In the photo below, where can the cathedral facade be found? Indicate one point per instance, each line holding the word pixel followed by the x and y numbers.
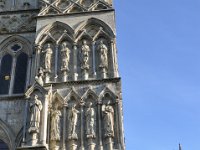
pixel 59 83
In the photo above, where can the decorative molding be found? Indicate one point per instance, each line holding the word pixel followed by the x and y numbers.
pixel 72 6
pixel 17 23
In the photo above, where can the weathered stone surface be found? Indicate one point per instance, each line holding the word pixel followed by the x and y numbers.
pixel 73 90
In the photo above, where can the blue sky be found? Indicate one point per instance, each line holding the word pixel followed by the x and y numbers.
pixel 159 59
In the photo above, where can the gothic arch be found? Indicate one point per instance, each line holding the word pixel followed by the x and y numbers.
pixel 19 138
pixel 98 24
pixel 91 93
pixel 57 97
pixel 72 95
pixel 107 92
pixel 7 135
pixel 46 31
pixel 36 87
pixel 19 50
pixel 26 45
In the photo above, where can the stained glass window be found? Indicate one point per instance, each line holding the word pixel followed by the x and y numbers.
pixel 3 146
pixel 20 74
pixel 5 74
pixel 16 47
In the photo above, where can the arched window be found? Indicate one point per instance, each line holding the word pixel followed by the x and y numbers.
pixel 20 73
pixel 3 145
pixel 14 66
pixel 5 73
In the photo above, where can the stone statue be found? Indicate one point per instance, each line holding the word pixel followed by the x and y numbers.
pixel 85 49
pixel 35 109
pixel 103 52
pixel 90 121
pixel 108 119
pixel 65 51
pixel 39 77
pixel 55 125
pixel 72 118
pixel 48 57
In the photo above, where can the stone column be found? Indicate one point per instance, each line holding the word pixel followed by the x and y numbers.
pixel 38 49
pixel 113 70
pixel 94 59
pixel 120 126
pixel 56 64
pixel 24 125
pixel 64 127
pixel 44 120
pixel 29 72
pixel 100 127
pixel 75 53
pixel 82 127
pixel 117 124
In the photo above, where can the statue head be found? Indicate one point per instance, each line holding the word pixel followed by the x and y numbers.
pixel 73 105
pixel 64 44
pixel 84 42
pixel 48 45
pixel 108 102
pixel 89 104
pixel 36 97
pixel 101 41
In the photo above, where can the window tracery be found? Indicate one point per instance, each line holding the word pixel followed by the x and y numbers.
pixel 14 66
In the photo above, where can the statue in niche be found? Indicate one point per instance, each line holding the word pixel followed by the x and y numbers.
pixel 55 124
pixel 103 52
pixel 65 52
pixel 90 121
pixel 85 49
pixel 108 119
pixel 72 118
pixel 35 109
pixel 48 57
pixel 39 77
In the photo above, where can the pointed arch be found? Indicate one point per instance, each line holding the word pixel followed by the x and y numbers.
pixel 72 95
pixel 107 92
pixel 8 42
pixel 43 32
pixel 57 96
pixel 88 93
pixel 19 138
pixel 7 136
pixel 98 23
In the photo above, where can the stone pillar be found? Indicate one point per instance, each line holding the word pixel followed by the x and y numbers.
pixel 82 127
pixel 100 127
pixel 38 49
pixel 120 126
pixel 75 53
pixel 117 123
pixel 94 59
pixel 24 125
pixel 44 120
pixel 29 71
pixel 64 127
pixel 56 64
pixel 114 70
